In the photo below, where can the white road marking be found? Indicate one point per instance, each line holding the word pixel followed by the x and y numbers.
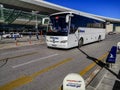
pixel 19 65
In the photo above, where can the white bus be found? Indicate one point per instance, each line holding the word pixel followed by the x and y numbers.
pixel 69 29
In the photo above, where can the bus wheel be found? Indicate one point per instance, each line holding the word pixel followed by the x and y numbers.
pixel 99 38
pixel 80 43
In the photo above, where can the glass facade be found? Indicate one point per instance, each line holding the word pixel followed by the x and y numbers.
pixel 8 16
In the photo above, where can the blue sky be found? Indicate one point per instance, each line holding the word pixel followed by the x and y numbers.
pixel 108 8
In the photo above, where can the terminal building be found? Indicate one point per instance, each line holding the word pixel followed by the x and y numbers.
pixel 27 15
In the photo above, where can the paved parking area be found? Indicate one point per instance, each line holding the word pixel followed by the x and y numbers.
pixel 11 42
pixel 107 79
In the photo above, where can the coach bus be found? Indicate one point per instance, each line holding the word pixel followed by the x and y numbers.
pixel 70 29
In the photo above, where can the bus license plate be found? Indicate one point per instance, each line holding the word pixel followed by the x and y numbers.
pixel 54 45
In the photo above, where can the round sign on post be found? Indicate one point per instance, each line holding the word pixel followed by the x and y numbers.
pixel 73 81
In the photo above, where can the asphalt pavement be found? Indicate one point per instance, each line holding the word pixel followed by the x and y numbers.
pixel 106 79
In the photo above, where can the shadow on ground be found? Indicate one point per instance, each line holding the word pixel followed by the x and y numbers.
pixel 100 63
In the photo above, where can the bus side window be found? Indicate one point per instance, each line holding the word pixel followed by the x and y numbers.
pixel 72 28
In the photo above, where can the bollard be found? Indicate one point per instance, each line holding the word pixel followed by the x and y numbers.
pixel 30 42
pixel 41 35
pixel 16 42
pixel 73 81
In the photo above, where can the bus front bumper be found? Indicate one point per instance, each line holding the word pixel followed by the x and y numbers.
pixel 54 45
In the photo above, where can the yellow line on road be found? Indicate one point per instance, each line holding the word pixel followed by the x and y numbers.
pixel 27 79
pixel 16 83
pixel 85 70
pixel 51 67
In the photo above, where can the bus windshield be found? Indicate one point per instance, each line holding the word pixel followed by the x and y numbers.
pixel 58 25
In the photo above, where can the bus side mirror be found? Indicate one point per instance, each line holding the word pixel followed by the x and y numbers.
pixel 67 18
pixel 45 21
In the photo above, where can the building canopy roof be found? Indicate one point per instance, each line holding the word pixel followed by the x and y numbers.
pixel 46 7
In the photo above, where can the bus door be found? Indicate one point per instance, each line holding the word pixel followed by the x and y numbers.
pixel 73 35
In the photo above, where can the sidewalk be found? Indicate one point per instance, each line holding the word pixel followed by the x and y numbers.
pixel 107 79
pixel 11 43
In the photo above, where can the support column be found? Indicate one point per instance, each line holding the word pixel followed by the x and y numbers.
pixel 2 13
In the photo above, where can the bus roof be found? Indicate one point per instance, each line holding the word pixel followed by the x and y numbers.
pixel 79 13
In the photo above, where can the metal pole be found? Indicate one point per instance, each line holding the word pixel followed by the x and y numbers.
pixel 2 14
pixel 36 26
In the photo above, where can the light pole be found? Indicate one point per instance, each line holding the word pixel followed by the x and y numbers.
pixel 36 24
pixel 2 14
pixel 2 17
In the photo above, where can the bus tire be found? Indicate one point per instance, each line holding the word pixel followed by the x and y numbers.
pixel 80 42
pixel 48 47
pixel 99 38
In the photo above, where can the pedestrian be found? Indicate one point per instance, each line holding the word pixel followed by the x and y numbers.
pixel 30 35
pixel 15 37
pixel 37 35
pixel 1 35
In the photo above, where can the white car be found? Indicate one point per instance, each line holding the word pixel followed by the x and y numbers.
pixel 6 35
pixel 12 35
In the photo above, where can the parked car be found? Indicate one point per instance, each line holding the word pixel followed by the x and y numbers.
pixel 6 35
pixel 12 35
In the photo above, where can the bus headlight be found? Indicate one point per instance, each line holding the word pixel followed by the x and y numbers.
pixel 64 41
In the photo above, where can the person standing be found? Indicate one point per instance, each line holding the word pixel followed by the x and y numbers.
pixel 30 35
pixel 37 35
pixel 1 35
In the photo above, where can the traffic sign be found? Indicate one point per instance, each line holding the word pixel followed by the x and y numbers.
pixel 112 55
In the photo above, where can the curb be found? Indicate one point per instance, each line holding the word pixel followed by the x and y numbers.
pixel 20 44
pixel 102 81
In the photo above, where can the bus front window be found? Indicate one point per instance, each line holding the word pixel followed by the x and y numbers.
pixel 58 25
